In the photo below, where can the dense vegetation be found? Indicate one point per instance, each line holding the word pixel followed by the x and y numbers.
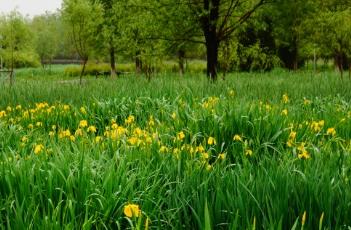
pixel 266 151
pixel 187 114
pixel 230 35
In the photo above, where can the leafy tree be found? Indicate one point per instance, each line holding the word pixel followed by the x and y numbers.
pixel 218 20
pixel 175 30
pixel 46 36
pixel 82 18
pixel 16 42
pixel 331 31
pixel 254 45
pixel 109 31
pixel 288 19
pixel 138 22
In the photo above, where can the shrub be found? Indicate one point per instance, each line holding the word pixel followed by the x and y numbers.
pixel 97 69
pixel 21 59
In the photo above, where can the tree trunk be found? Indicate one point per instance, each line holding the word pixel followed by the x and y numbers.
pixel 113 61
pixel 314 61
pixel 82 72
pixel 341 72
pixel 226 61
pixel 295 53
pixel 50 66
pixel 12 66
pixel 11 77
pixel 212 56
pixel 350 70
pixel 209 27
pixel 339 62
pixel 138 62
pixel 181 57
pixel 289 55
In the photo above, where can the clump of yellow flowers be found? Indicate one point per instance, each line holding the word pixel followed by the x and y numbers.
pixel 38 149
pixel 132 210
pixel 331 132
pixel 317 126
pixel 237 137
pixel 285 99
pixel 303 154
pixel 211 141
pixel 292 138
pixel 83 124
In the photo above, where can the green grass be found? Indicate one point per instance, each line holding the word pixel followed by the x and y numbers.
pixel 84 179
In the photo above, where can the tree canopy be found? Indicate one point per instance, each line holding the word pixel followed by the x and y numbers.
pixel 230 35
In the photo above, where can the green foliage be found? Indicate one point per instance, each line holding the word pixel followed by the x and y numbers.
pixel 24 59
pixel 85 183
pixel 288 20
pixel 330 31
pixel 277 33
pixel 15 42
pixel 91 69
pixel 82 18
pixel 192 67
pixel 46 31
pixel 255 58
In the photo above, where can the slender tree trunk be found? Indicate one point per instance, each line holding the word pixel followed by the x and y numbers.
pixel 341 72
pixel 226 61
pixel 82 72
pixel 336 63
pixel 314 61
pixel 11 77
pixel 181 57
pixel 350 70
pixel 339 63
pixel 50 65
pixel 341 68
pixel 113 61
pixel 12 66
pixel 295 55
pixel 138 62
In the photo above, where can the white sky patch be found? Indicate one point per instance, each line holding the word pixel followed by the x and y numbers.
pixel 29 7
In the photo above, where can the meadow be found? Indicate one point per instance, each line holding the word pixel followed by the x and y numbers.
pixel 253 151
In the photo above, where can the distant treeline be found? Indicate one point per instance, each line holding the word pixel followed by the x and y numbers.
pixel 232 35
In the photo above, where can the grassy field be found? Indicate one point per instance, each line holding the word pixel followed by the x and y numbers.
pixel 256 151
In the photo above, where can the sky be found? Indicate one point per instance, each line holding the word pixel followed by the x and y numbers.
pixel 29 7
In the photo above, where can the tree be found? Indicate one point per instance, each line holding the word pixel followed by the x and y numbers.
pixel 218 19
pixel 288 20
pixel 46 36
pixel 255 44
pixel 329 32
pixel 138 23
pixel 109 30
pixel 82 18
pixel 15 42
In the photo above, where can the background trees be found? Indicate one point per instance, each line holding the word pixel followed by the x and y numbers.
pixel 109 30
pixel 230 35
pixel 332 32
pixel 217 20
pixel 45 29
pixel 82 18
pixel 15 42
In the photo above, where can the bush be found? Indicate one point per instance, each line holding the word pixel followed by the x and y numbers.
pixel 97 69
pixel 193 66
pixel 21 59
pixel 255 58
pixel 196 66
